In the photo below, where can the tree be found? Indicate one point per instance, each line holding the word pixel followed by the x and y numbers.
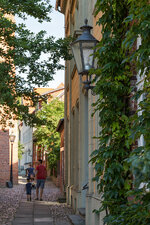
pixel 20 150
pixel 46 135
pixel 21 67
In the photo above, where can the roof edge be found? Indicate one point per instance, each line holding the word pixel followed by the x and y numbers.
pixel 60 6
pixel 61 121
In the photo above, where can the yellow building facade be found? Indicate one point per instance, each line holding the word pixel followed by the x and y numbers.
pixel 79 126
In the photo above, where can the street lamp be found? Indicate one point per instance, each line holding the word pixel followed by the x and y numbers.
pixel 83 49
pixel 12 139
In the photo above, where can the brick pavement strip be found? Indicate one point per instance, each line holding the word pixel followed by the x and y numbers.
pixel 15 210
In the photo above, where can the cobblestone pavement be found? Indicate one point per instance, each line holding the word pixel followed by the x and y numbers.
pixel 14 200
pixel 9 201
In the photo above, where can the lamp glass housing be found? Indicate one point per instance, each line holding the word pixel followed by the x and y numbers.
pixel 83 49
pixel 88 57
pixel 77 56
pixel 12 137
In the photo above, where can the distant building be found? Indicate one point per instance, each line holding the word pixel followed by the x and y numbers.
pixel 33 152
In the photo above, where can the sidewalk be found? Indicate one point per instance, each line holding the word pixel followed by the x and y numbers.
pixel 37 213
pixel 46 212
pixel 15 210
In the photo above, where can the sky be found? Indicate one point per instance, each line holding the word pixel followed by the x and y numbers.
pixel 54 28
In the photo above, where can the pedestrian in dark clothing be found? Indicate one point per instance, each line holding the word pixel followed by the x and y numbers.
pixel 30 172
pixel 28 189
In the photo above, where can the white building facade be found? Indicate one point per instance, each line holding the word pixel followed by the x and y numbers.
pixel 26 140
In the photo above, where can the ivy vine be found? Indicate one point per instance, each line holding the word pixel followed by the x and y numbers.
pixel 122 167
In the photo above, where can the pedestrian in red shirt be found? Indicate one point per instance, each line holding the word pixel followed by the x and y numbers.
pixel 41 177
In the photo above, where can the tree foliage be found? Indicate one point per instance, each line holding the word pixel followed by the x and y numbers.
pixel 21 65
pixel 119 169
pixel 47 136
pixel 20 150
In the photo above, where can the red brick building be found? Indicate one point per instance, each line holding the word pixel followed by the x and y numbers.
pixel 5 158
pixel 5 146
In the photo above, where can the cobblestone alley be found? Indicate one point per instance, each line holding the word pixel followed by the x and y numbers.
pixel 15 210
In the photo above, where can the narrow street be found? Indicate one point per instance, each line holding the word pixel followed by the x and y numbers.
pixel 15 210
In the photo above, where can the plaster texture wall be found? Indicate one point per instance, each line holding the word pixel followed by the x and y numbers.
pixel 79 126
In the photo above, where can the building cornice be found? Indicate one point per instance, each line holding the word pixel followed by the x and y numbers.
pixel 57 4
pixel 60 123
pixel 52 91
pixel 60 6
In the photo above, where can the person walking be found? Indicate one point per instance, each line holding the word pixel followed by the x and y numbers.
pixel 30 172
pixel 41 174
pixel 28 189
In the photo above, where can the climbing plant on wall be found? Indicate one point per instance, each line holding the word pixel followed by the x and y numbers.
pixel 122 168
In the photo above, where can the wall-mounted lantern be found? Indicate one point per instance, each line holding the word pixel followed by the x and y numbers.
pixel 83 49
